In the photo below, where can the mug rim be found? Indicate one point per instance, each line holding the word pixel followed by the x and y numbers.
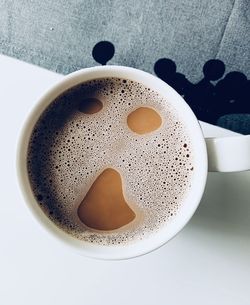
pixel 194 195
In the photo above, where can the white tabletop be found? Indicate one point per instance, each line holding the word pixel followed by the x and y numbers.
pixel 207 263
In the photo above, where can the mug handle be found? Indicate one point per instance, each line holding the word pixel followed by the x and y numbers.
pixel 230 154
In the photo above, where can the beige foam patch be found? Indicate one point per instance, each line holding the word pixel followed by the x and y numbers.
pixel 104 206
pixel 144 120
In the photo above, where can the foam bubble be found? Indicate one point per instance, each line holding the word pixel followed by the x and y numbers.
pixel 69 149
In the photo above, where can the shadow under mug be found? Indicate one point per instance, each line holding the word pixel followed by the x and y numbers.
pixel 213 154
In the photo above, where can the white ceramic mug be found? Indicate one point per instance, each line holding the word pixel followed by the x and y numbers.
pixel 215 154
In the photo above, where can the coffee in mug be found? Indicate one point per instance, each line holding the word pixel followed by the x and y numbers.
pixel 110 161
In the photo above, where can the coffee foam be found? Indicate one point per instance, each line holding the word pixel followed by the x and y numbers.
pixel 68 149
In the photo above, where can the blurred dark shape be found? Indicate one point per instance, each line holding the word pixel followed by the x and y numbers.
pixel 200 96
pixel 243 98
pixel 209 101
pixel 165 69
pixel 232 94
pixel 103 51
pixel 213 69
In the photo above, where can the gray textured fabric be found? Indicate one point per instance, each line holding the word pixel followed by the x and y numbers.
pixel 59 35
pixel 236 122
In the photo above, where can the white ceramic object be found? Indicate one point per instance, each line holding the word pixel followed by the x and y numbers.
pixel 229 154
pixel 206 263
pixel 194 195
